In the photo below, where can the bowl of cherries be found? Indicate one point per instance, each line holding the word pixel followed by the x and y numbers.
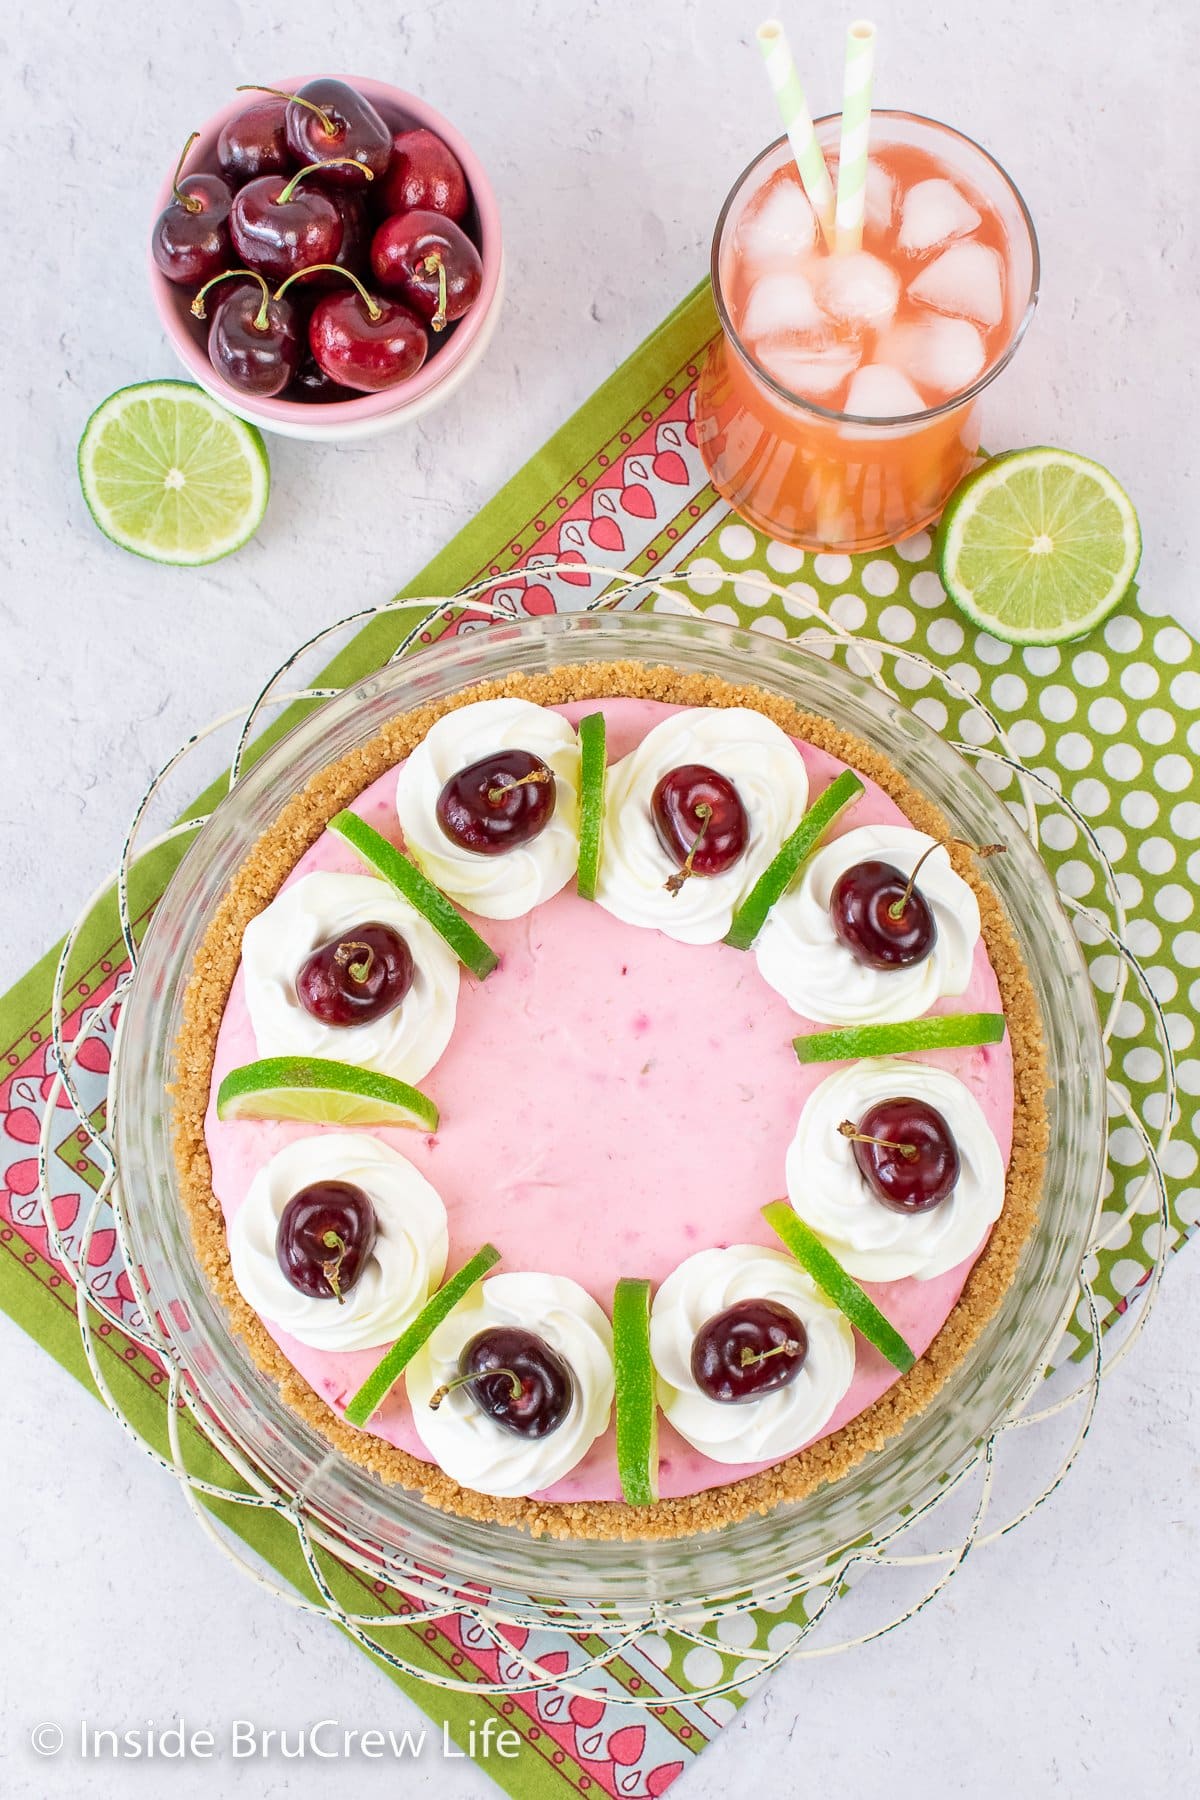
pixel 326 257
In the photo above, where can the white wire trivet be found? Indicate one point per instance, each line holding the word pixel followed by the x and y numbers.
pixel 485 1618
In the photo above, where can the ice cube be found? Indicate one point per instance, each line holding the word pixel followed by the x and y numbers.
pixel 967 281
pixel 780 305
pixel 858 289
pixel 779 227
pixel 932 213
pixel 877 391
pixel 942 355
pixel 812 373
pixel 880 199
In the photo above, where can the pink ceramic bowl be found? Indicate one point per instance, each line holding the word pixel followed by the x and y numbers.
pixel 342 420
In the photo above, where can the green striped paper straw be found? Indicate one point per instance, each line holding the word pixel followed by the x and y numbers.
pixel 797 122
pixel 856 135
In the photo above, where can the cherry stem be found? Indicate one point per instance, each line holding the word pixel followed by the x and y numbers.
pixel 750 1358
pixel 327 119
pixel 331 162
pixel 260 321
pixel 496 794
pixel 447 1387
pixel 896 909
pixel 704 814
pixel 374 311
pixel 331 1270
pixel 433 264
pixel 849 1130
pixel 188 201
pixel 359 969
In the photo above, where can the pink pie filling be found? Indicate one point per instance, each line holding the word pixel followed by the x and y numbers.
pixel 611 1102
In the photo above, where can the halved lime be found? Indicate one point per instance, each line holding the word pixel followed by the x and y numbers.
pixel 419 891
pixel 832 1279
pixel 951 1031
pixel 636 1393
pixel 593 740
pixel 438 1307
pixel 322 1092
pixel 170 475
pixel 1039 546
pixel 780 872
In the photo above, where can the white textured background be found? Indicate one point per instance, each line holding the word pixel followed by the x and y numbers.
pixel 1063 1661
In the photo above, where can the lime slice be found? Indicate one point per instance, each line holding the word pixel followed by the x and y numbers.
pixel 780 872
pixel 952 1031
pixel 321 1092
pixel 593 739
pixel 169 474
pixel 418 890
pixel 1039 545
pixel 833 1280
pixel 636 1393
pixel 438 1307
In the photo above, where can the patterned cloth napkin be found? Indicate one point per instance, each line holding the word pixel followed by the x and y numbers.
pixel 1112 723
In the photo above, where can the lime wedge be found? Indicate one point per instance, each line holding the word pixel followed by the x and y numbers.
pixel 418 890
pixel 636 1393
pixel 593 739
pixel 1039 545
pixel 321 1092
pixel 833 1280
pixel 438 1307
pixel 780 872
pixel 169 474
pixel 952 1031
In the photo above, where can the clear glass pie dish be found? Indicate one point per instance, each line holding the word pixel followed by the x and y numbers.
pixel 391 1528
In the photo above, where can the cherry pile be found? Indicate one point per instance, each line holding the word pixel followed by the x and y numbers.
pixel 330 255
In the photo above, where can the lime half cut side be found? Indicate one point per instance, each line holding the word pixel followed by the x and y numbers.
pixel 172 476
pixel 1039 545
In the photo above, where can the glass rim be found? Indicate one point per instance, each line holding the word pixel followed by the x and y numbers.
pixel 965 395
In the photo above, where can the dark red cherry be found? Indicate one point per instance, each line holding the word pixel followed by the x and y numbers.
pixel 190 242
pixel 430 262
pixel 498 802
pixel 356 977
pixel 255 143
pixel 325 1235
pixel 280 226
pixel 327 119
pixel 254 342
pixel 881 921
pixel 311 385
pixel 905 1153
pixel 517 1380
pixel 424 175
pixel 366 342
pixel 748 1350
pixel 700 821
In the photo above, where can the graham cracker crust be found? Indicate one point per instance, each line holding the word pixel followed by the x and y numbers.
pixel 301 822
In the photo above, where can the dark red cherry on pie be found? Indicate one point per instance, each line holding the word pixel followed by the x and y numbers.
pixel 356 977
pixel 325 1235
pixel 751 1349
pixel 700 820
pixel 518 1380
pixel 882 920
pixel 498 802
pixel 911 1160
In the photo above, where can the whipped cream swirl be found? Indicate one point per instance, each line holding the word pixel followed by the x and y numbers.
pixel 869 1239
pixel 511 883
pixel 800 955
pixel 469 1445
pixel 406 1264
pixel 772 783
pixel 777 1423
pixel 405 1042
